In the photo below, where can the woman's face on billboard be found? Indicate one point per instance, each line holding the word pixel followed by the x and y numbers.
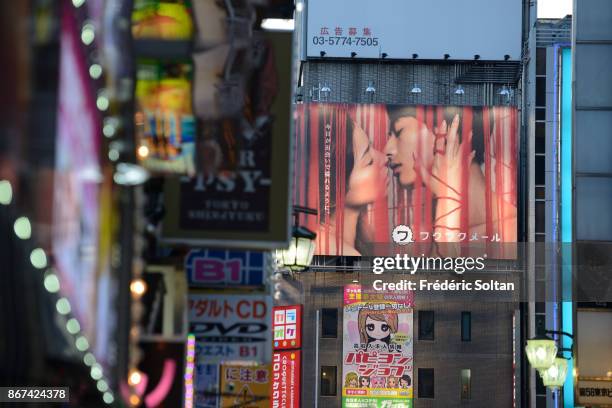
pixel 369 176
pixel 408 139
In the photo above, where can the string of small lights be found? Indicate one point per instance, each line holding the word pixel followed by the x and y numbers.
pixel 39 260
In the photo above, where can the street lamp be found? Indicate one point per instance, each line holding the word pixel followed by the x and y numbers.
pixel 554 376
pixel 542 355
pixel 541 352
pixel 298 255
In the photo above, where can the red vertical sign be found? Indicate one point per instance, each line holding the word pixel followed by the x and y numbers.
pixel 287 327
pixel 286 379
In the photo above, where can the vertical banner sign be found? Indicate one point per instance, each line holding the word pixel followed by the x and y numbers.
pixel 286 370
pixel 206 385
pixel 209 268
pixel 245 386
pixel 231 327
pixel 377 352
pixel 287 327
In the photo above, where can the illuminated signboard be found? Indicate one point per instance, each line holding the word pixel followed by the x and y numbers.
pixel 286 376
pixel 287 327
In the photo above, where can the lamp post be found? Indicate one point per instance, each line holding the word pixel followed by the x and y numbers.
pixel 542 355
pixel 541 352
pixel 554 376
pixel 298 256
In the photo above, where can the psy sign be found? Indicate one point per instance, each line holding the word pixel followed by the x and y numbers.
pixel 231 327
pixel 287 327
pixel 208 267
pixel 286 379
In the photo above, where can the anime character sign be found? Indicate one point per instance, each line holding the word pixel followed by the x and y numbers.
pixel 377 354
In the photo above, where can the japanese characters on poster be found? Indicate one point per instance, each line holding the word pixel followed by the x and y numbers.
pixel 377 352
pixel 234 327
pixel 245 386
pixel 287 326
pixel 446 176
pixel 286 379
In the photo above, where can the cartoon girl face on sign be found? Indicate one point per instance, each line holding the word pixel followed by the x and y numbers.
pixel 364 382
pixel 376 327
pixel 392 382
pixel 351 380
pixel 378 382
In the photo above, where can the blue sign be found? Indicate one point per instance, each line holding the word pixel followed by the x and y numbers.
pixel 218 267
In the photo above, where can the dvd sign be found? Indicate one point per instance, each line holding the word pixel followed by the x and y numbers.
pixel 210 268
pixel 231 327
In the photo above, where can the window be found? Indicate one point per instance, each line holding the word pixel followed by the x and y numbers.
pixel 540 92
pixel 426 325
pixel 328 381
pixel 426 382
pixel 466 386
pixel 329 323
pixel 466 326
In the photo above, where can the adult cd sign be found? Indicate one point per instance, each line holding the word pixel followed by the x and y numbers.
pixel 401 28
pixel 231 327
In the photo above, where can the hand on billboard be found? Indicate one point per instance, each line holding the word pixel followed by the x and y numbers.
pixel 451 160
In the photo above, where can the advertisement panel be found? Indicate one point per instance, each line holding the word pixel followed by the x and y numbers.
pixel 286 379
pixel 594 392
pixel 239 195
pixel 398 28
pixel 231 327
pixel 210 268
pixel 445 174
pixel 377 353
pixel 77 192
pixel 245 386
pixel 287 327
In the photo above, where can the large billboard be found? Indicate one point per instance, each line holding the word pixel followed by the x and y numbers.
pixel 377 353
pixel 400 29
pixel 447 174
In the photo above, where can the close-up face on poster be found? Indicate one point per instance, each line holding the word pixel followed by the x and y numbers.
pixel 377 352
pixel 446 174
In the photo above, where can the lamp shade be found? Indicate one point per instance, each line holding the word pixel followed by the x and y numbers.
pixel 541 352
pixel 298 255
pixel 554 376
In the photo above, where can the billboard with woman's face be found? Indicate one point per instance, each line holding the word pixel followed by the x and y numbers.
pixel 377 352
pixel 448 173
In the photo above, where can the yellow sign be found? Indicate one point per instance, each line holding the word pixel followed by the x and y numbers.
pixel 245 386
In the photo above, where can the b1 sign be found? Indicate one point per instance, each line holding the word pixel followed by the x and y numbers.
pixel 231 327
pixel 401 28
pixel 209 268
